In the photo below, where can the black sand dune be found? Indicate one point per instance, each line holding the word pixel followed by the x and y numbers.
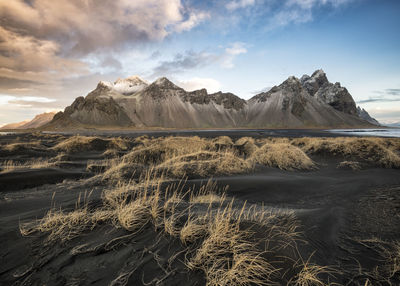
pixel 348 219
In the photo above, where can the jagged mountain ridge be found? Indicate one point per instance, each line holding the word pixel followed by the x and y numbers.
pixel 311 101
pixel 362 113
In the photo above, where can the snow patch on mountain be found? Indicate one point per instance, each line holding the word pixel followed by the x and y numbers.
pixel 125 86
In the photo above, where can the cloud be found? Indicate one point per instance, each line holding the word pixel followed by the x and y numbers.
pixel 265 89
pixel 385 115
pixel 233 5
pixel 192 60
pixel 111 62
pixel 6 98
pixel 182 62
pixel 231 52
pixel 87 26
pixel 309 4
pixel 378 99
pixel 50 38
pixel 193 20
pixel 196 83
pixel 387 95
pixel 14 83
pixel 15 109
pixel 299 11
pixel 393 91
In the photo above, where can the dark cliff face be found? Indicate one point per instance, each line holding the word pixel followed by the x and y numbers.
pixel 362 113
pixel 291 87
pixel 228 100
pixel 161 89
pixel 92 111
pixel 314 82
pixel 333 94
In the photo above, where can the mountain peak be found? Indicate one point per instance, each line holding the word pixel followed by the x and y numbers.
pixel 134 79
pixel 315 81
pixel 319 72
pixel 129 85
pixel 320 77
pixel 292 84
pixel 104 84
pixel 164 82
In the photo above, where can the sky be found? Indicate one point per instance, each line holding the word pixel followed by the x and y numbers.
pixel 54 51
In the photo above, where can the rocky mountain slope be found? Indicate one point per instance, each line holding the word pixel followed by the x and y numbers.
pixel 362 113
pixel 36 122
pixel 311 101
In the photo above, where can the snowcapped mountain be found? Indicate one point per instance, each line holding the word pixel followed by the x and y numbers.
pixel 311 101
pixel 129 85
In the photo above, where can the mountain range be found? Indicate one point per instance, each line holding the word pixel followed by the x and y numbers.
pixel 306 102
pixel 38 121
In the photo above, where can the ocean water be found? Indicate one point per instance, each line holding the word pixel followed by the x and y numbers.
pixel 390 132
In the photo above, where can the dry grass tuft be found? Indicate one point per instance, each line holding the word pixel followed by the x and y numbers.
pixel 311 275
pixel 134 215
pixel 371 150
pixel 222 142
pixel 283 156
pixel 388 253
pixel 246 146
pixel 195 228
pixel 65 226
pixel 205 163
pixel 85 143
pixel 23 148
pixel 226 255
pixel 11 165
pixel 355 166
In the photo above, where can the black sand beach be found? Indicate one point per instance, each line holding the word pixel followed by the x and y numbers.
pixel 340 211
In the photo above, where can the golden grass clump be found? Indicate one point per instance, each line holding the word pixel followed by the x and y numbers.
pixel 205 163
pixel 134 215
pixel 161 149
pixel 283 156
pixel 246 146
pixel 65 226
pixel 222 142
pixel 371 150
pixel 195 228
pixel 226 256
pixel 352 165
pixel 19 148
pixel 310 275
pixel 11 165
pixel 86 143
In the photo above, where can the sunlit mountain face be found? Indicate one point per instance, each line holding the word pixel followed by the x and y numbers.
pixel 52 52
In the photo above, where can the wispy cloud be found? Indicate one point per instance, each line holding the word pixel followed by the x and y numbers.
pixel 191 60
pixel 387 95
pixel 196 83
pixel 23 100
pixel 299 11
pixel 237 4
pixel 231 53
pixel 182 62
